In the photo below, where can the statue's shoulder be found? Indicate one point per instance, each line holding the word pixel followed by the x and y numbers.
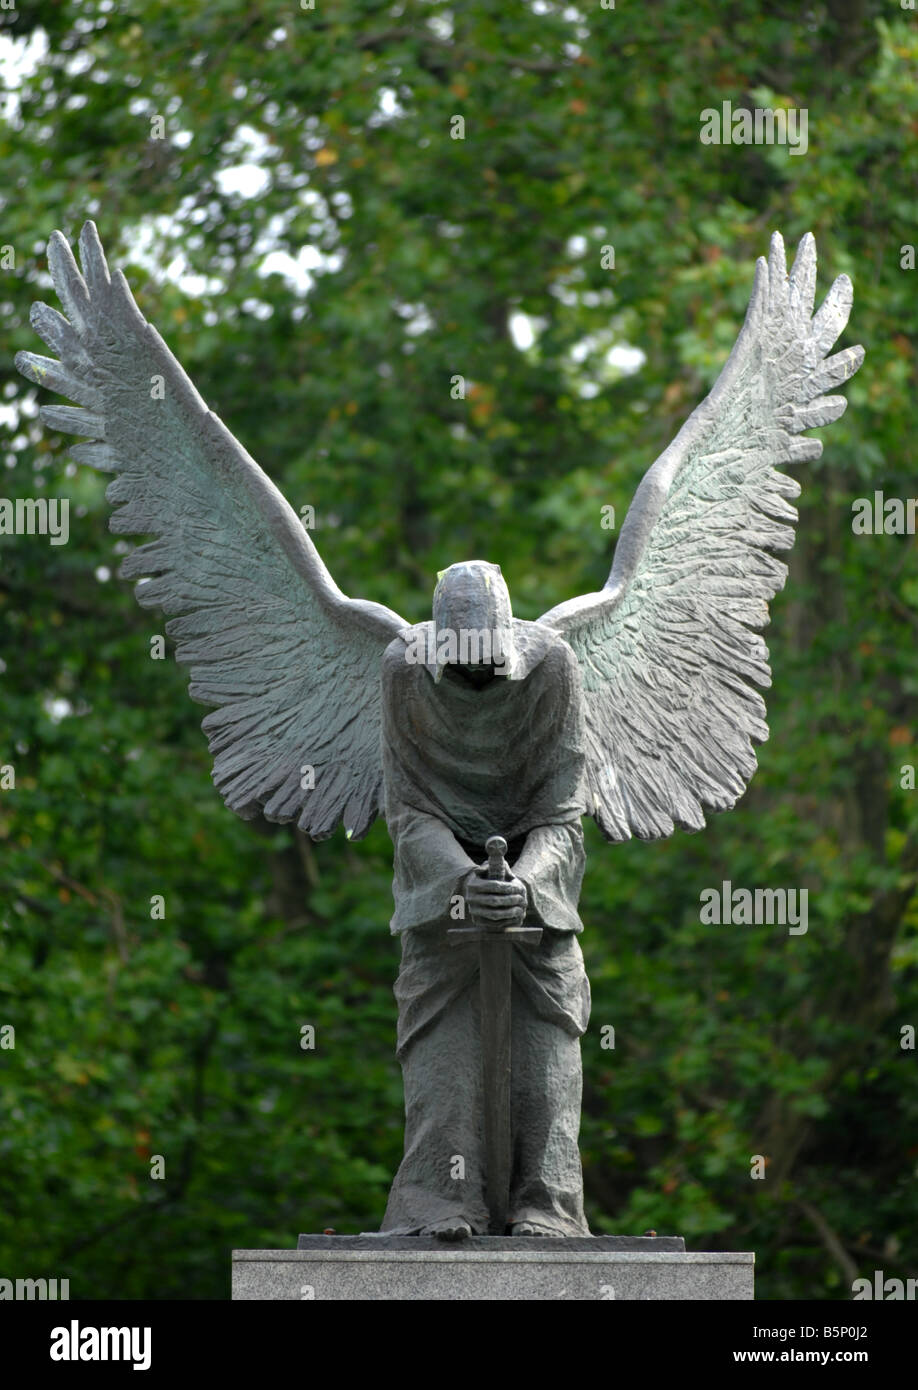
pixel 406 653
pixel 539 647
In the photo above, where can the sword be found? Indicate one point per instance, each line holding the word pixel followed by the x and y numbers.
pixel 495 950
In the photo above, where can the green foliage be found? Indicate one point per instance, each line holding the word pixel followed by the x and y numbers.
pixel 137 1036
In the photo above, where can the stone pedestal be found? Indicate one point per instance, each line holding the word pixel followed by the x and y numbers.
pixel 492 1268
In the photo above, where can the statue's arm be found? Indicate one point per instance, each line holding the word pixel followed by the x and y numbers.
pixel 430 870
pixel 552 860
pixel 551 867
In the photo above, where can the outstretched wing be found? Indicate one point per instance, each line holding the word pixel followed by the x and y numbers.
pixel 291 663
pixel 669 647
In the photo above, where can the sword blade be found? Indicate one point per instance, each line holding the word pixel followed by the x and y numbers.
pixel 495 965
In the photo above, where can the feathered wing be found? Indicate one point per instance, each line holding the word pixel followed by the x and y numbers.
pixel 669 648
pixel 291 663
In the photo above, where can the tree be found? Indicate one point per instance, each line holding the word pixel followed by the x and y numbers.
pixel 574 191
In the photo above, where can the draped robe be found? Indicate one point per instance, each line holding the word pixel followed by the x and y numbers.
pixel 462 763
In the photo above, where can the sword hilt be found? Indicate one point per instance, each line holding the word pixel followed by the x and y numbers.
pixel 495 848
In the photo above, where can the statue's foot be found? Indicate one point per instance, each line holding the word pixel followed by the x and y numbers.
pixel 450 1228
pixel 532 1228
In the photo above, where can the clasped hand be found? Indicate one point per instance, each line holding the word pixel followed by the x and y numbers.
pixel 495 904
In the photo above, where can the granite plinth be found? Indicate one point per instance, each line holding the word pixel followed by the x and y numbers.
pixel 361 1268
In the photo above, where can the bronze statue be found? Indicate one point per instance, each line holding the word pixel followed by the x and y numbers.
pixel 482 739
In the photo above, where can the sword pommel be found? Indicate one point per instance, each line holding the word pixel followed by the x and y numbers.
pixel 496 848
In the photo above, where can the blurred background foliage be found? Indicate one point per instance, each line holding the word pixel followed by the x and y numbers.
pixel 427 257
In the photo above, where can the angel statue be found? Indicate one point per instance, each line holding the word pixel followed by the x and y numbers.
pixel 482 739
